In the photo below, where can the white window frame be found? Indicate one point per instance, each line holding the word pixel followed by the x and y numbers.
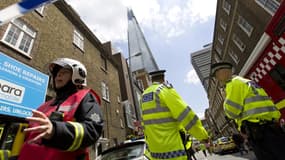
pixel 78 39
pixel 227 7
pixel 122 124
pixel 40 10
pixel 140 83
pixel 24 31
pixel 234 56
pixel 239 43
pixel 223 24
pixel 245 26
pixel 105 91
pixel 104 63
pixel 266 5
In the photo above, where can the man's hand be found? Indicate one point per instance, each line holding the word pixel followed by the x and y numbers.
pixel 43 126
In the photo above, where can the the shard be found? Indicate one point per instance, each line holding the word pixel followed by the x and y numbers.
pixel 140 56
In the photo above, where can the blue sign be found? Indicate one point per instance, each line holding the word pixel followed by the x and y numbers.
pixel 22 88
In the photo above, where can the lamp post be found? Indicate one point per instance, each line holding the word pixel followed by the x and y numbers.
pixel 132 84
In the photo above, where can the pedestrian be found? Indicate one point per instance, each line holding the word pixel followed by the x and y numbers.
pixel 63 127
pixel 239 141
pixel 253 111
pixel 208 147
pixel 211 146
pixel 164 113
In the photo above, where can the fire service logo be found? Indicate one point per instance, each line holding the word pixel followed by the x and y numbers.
pixel 11 92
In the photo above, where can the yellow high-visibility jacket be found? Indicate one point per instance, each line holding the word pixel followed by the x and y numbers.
pixel 164 113
pixel 245 100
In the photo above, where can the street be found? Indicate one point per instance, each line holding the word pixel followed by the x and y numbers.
pixel 233 156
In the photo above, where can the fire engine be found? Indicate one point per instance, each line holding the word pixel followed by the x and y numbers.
pixel 266 65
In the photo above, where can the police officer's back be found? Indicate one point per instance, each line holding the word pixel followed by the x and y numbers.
pixel 164 113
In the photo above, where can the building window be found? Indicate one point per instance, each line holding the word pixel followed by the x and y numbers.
pixel 105 91
pixel 122 123
pixel 219 97
pixel 219 50
pixel 221 38
pixel 78 40
pixel 245 26
pixel 223 24
pixel 226 7
pixel 140 84
pixel 278 75
pixel 239 43
pixel 104 65
pixel 269 5
pixel 20 37
pixel 40 10
pixel 217 58
pixel 129 115
pixel 234 56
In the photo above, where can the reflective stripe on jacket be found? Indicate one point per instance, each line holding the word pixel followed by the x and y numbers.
pixel 164 113
pixel 245 100
pixel 68 107
pixel 4 154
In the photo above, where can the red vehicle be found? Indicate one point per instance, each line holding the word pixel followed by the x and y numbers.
pixel 266 65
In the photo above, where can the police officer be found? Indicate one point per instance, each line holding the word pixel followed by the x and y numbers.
pixel 62 128
pixel 254 112
pixel 164 113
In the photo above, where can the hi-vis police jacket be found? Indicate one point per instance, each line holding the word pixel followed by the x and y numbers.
pixel 164 113
pixel 245 100
pixel 80 127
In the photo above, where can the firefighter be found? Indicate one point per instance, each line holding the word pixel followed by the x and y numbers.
pixel 63 128
pixel 253 111
pixel 164 113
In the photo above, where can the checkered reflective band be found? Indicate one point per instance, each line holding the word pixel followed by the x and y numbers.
pixel 273 56
pixel 167 155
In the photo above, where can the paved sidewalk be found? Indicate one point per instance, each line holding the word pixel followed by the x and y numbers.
pixel 234 156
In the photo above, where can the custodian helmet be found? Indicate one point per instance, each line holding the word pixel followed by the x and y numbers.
pixel 79 72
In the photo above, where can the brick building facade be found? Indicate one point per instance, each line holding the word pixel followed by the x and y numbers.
pixel 54 31
pixel 239 26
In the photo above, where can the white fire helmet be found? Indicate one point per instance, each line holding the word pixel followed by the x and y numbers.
pixel 79 72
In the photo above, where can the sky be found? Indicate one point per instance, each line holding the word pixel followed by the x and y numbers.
pixel 173 30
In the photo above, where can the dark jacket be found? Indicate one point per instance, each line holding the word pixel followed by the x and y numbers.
pixel 88 114
pixel 238 139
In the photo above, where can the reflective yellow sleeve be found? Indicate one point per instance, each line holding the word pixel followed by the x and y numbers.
pixel 183 113
pixel 198 131
pixel 4 154
pixel 78 136
pixel 236 91
pixel 174 101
